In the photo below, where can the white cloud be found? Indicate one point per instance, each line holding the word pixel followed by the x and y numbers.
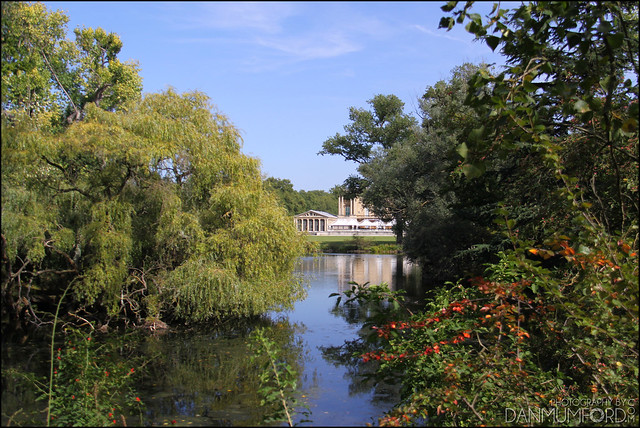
pixel 284 33
pixel 312 46
pixel 440 33
pixel 260 16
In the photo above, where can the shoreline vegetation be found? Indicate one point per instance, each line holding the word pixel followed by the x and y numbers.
pixel 355 244
pixel 516 190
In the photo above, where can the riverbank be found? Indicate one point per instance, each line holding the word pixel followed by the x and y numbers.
pixel 356 244
pixel 202 376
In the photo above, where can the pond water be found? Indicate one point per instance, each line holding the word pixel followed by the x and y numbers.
pixel 336 398
pixel 204 377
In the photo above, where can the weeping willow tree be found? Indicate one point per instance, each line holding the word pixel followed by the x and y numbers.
pixel 150 212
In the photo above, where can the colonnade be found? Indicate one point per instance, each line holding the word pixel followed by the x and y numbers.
pixel 311 225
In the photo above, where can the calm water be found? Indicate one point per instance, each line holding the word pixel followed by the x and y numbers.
pixel 204 378
pixel 336 396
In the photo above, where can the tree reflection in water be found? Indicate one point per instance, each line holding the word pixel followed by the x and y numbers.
pixel 206 378
pixel 362 376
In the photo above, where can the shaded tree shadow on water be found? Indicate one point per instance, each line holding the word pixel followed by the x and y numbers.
pixel 197 376
pixel 362 377
pixel 206 378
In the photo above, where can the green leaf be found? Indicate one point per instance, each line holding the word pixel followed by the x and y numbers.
pixel 530 87
pixel 492 41
pixel 605 27
pixel 604 83
pixel 581 106
pixel 630 125
pixel 447 23
pixel 475 17
pixel 463 150
pixel 573 39
pixel 449 6
pixel 476 134
pixel 473 170
pixel 615 40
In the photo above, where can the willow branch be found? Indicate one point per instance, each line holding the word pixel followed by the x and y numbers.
pixel 55 76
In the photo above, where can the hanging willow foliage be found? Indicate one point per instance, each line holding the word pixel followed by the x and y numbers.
pixel 152 210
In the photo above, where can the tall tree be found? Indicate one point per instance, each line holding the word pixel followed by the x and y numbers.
pixel 148 212
pixel 383 126
pixel 296 202
pixel 43 71
pixel 292 201
pixel 557 314
pixel 320 200
pixel 380 128
pixel 100 77
pixel 30 36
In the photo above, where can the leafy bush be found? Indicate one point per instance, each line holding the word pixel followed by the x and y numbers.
pixel 93 385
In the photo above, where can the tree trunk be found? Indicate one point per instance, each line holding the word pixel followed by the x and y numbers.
pixel 399 229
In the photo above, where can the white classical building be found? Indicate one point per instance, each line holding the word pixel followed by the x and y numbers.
pixel 352 219
pixel 314 221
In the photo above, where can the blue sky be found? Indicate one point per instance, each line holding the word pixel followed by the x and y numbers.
pixel 286 73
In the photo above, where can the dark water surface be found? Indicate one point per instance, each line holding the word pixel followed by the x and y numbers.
pixel 204 377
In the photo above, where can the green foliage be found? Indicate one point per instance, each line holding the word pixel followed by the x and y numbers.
pixel 105 80
pixel 385 249
pixel 320 200
pixel 29 34
pixel 93 385
pixel 367 139
pixel 553 322
pixel 524 338
pixel 297 202
pixel 154 201
pixel 133 200
pixel 47 75
pixel 354 244
pixel 290 199
pixel 382 126
pixel 278 380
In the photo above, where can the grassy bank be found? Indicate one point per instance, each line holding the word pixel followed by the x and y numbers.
pixel 355 244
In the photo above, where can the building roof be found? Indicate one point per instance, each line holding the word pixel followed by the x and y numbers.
pixel 316 212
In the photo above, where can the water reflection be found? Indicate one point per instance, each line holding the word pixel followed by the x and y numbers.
pixel 342 395
pixel 399 274
pixel 204 376
pixel 397 271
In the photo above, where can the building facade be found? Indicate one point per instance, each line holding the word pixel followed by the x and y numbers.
pixel 314 221
pixel 352 219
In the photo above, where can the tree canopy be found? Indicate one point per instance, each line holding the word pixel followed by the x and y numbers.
pixel 545 177
pixel 143 206
pixel 297 202
pixel 369 135
pixel 42 71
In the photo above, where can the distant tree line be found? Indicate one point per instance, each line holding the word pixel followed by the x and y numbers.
pixel 296 202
